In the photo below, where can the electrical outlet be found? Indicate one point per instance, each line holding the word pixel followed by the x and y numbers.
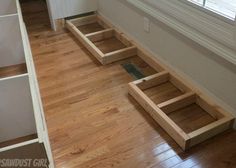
pixel 146 24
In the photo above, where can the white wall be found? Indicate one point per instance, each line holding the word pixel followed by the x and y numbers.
pixel 206 69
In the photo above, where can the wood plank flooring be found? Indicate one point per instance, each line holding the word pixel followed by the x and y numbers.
pixel 13 70
pixel 18 140
pixel 90 28
pixel 110 45
pixel 161 93
pixel 191 118
pixel 92 121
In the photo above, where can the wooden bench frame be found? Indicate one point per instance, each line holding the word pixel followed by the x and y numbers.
pixel 191 93
pixel 88 39
pixel 159 112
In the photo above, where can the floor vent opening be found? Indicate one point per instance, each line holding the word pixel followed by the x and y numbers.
pixel 133 70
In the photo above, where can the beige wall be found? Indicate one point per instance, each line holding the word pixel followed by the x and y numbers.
pixel 210 72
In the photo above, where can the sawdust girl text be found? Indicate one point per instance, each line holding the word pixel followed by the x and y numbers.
pixel 23 163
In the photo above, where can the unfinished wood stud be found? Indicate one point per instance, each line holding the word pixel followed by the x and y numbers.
pixel 90 39
pixel 160 111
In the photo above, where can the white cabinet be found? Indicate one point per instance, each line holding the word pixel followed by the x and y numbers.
pixel 21 112
pixel 65 8
pixel 59 9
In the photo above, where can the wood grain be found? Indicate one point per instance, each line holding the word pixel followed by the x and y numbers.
pixel 13 70
pixel 110 45
pixel 90 28
pixel 18 140
pixel 92 121
pixel 163 92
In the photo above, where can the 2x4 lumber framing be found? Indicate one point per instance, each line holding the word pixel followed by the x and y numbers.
pixel 88 40
pixel 84 20
pixel 100 35
pixel 178 102
pixel 119 34
pixel 152 80
pixel 160 65
pixel 210 130
pixel 85 41
pixel 224 119
pixel 190 96
pixel 119 54
pixel 159 116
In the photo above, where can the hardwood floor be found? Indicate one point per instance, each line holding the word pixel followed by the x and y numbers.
pixel 92 121
pixel 161 93
pixel 18 140
pixel 109 45
pixel 13 70
pixel 90 28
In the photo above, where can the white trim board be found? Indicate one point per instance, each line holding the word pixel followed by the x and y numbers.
pixel 36 98
pixel 37 102
pixel 14 77
pixel 215 35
